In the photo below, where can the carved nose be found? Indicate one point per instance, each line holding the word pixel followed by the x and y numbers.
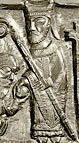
pixel 33 26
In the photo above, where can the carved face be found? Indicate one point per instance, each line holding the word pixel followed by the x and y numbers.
pixel 38 29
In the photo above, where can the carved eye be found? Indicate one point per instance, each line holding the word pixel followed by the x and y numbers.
pixel 3 30
pixel 40 21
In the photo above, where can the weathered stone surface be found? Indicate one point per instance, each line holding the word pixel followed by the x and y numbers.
pixel 18 125
pixel 10 1
pixel 29 121
pixel 68 2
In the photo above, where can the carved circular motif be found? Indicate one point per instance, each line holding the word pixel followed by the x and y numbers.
pixel 3 30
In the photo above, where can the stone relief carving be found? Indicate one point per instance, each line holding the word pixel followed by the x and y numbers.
pixel 45 81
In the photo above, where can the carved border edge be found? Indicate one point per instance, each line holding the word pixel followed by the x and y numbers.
pixel 20 6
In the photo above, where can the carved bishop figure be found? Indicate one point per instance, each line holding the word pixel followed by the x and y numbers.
pixel 46 126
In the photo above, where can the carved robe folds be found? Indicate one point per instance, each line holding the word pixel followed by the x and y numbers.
pixel 51 62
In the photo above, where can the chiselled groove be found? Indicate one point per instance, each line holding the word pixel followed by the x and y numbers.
pixel 75 75
pixel 11 7
pixel 74 59
pixel 66 5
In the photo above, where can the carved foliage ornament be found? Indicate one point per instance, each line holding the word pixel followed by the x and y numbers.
pixel 3 27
